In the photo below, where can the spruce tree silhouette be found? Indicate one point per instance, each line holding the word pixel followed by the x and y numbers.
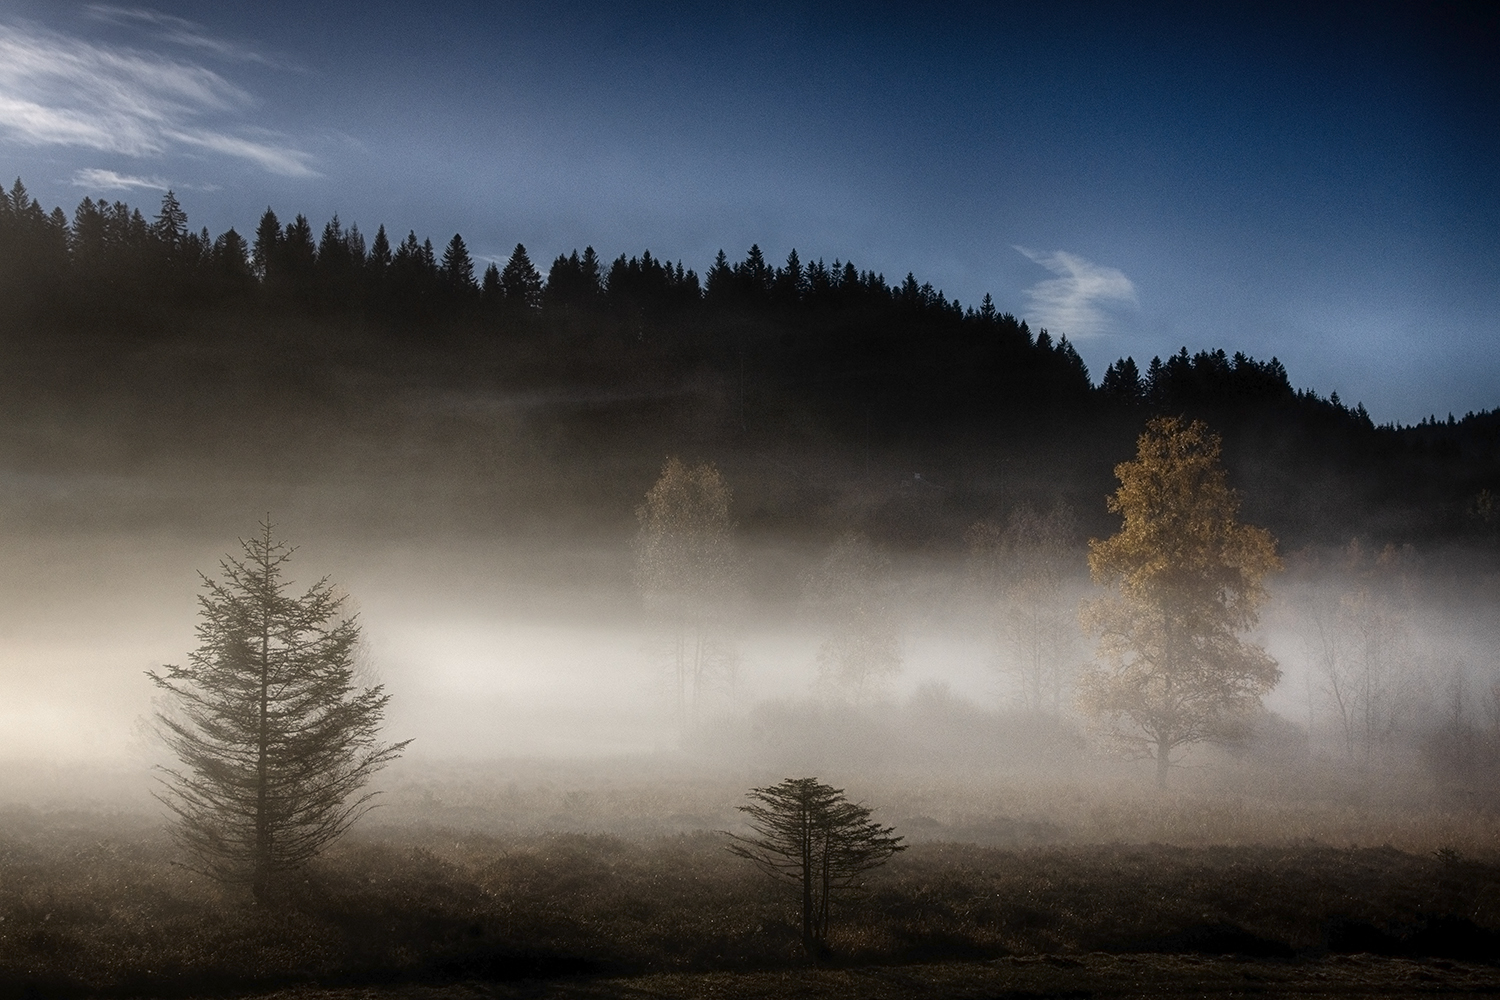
pixel 490 292
pixel 266 252
pixel 380 253
pixel 458 267
pixel 275 741
pixel 170 227
pixel 521 282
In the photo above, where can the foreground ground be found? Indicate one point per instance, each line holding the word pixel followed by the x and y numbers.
pixel 1091 975
pixel 98 906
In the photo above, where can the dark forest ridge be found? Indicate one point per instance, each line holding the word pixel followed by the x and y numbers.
pixel 751 356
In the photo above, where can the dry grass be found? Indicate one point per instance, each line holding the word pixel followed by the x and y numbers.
pixel 95 904
pixel 1225 804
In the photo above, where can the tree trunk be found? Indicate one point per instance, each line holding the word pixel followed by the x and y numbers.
pixel 262 864
pixel 809 942
pixel 1163 765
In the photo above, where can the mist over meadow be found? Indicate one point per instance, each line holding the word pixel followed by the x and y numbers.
pixel 466 455
pixel 501 501
pixel 623 544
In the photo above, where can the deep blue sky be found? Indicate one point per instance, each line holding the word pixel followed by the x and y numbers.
pixel 1320 187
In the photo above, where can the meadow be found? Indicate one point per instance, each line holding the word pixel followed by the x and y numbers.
pixel 609 878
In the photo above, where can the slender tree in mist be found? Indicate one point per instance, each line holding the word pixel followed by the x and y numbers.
pixel 1483 512
pixel 1188 580
pixel 807 834
pixel 1458 746
pixel 686 569
pixel 276 744
pixel 1359 634
pixel 1022 571
pixel 852 586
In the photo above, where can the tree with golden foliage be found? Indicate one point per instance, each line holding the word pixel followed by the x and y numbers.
pixel 685 568
pixel 1188 580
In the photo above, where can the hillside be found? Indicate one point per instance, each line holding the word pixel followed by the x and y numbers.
pixel 146 366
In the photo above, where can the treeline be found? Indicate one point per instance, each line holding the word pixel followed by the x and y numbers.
pixel 339 268
pixel 893 353
pixel 786 346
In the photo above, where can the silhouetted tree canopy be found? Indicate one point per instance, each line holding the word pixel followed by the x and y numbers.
pixel 520 281
pixel 809 346
pixel 457 267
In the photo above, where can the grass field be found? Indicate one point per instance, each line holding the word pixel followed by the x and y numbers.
pixel 545 874
pixel 1030 978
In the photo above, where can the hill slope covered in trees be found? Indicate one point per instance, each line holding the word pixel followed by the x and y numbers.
pixel 140 349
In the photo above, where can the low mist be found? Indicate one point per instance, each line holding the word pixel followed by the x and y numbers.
pixel 538 667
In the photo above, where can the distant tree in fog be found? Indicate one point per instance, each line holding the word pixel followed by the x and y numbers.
pixel 685 569
pixel 275 742
pixel 811 837
pixel 1359 636
pixel 1188 580
pixel 1483 510
pixel 1458 746
pixel 853 588
pixel 231 259
pixel 299 254
pixel 1022 571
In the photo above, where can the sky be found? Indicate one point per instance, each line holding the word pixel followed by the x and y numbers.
pixel 1322 187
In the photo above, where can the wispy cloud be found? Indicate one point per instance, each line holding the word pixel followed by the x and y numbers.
pixel 107 180
pixel 1075 301
pixel 275 158
pixel 179 31
pixel 59 90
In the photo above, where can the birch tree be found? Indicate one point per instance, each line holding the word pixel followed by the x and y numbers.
pixel 1188 581
pixel 685 569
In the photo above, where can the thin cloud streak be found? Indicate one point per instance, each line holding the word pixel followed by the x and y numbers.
pixel 96 179
pixel 179 31
pixel 275 159
pixel 43 126
pixel 1074 302
pixel 56 90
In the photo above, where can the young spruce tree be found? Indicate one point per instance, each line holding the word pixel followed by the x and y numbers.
pixel 808 835
pixel 276 743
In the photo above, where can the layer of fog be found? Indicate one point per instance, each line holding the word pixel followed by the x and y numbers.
pixel 487 649
pixel 497 650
